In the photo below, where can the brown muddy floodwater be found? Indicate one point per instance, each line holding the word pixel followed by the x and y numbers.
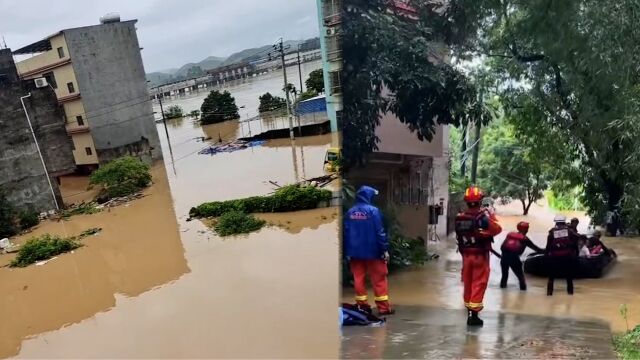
pixel 151 286
pixel 139 248
pixel 430 318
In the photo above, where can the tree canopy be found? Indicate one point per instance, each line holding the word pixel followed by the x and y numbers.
pixel 218 107
pixel 573 66
pixel 269 102
pixel 315 81
pixel 387 52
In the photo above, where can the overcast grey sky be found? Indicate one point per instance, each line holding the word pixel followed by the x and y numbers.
pixel 172 32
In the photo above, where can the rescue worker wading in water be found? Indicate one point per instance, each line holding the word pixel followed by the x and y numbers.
pixel 512 248
pixel 366 247
pixel 562 253
pixel 475 229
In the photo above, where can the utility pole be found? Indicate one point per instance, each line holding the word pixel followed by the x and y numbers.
pixel 35 140
pixel 280 47
pixel 300 70
pixel 463 152
pixel 164 121
pixel 476 151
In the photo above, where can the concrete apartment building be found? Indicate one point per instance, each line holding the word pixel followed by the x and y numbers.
pixel 411 175
pixel 99 79
pixel 330 18
pixel 23 178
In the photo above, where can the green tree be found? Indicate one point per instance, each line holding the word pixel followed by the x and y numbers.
pixel 407 57
pixel 315 81
pixel 218 107
pixel 512 167
pixel 573 64
pixel 269 102
pixel 174 112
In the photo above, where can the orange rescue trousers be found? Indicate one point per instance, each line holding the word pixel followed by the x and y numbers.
pixel 377 270
pixel 475 276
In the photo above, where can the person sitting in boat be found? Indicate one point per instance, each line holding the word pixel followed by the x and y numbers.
pixel 595 245
pixel 583 250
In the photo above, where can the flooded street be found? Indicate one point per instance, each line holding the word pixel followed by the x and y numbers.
pixel 202 296
pixel 425 294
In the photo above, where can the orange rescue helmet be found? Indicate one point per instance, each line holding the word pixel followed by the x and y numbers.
pixel 473 195
pixel 523 226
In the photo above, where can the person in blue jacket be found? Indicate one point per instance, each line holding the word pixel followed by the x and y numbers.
pixel 367 248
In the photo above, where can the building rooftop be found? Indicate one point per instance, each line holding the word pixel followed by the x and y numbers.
pixel 45 44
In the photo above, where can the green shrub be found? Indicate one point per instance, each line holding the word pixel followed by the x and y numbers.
pixel 42 248
pixel 174 112
pixel 564 201
pixel 83 208
pixel 195 114
pixel 121 177
pixel 237 222
pixel 28 219
pixel 286 198
pixel 627 345
pixel 218 107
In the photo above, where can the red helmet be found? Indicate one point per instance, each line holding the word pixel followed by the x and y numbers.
pixel 523 226
pixel 473 194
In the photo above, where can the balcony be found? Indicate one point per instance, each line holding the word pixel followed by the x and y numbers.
pixel 331 12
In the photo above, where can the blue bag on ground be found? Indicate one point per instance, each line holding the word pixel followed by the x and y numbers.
pixel 353 315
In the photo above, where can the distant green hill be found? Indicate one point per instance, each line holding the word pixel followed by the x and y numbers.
pixel 191 69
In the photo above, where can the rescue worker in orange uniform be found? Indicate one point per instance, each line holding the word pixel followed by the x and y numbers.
pixel 475 229
pixel 512 248
pixel 367 248
pixel 562 253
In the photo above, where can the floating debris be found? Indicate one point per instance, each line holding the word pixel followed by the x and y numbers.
pixel 230 147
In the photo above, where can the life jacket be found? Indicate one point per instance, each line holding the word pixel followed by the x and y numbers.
pixel 353 315
pixel 514 243
pixel 468 231
pixel 596 250
pixel 561 242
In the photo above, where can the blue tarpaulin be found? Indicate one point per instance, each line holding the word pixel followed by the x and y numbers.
pixel 313 105
pixel 234 146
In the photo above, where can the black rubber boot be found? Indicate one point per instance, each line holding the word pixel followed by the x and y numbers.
pixel 503 285
pixel 570 287
pixel 523 286
pixel 473 319
pixel 550 287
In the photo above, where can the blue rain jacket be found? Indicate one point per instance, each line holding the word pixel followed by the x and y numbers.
pixel 364 236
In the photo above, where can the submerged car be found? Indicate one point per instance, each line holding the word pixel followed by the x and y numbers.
pixel 332 160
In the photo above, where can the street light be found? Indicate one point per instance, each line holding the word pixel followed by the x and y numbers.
pixel 46 173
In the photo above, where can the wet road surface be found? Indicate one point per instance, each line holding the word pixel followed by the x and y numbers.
pixel 437 286
pixel 431 333
pixel 173 288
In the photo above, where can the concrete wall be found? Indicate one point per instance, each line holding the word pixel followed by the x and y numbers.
pixel 8 72
pixel 108 67
pixel 334 100
pixel 22 176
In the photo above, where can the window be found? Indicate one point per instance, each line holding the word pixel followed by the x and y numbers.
pixel 51 79
pixel 60 52
pixel 88 150
pixel 80 120
pixel 334 80
pixel 71 88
